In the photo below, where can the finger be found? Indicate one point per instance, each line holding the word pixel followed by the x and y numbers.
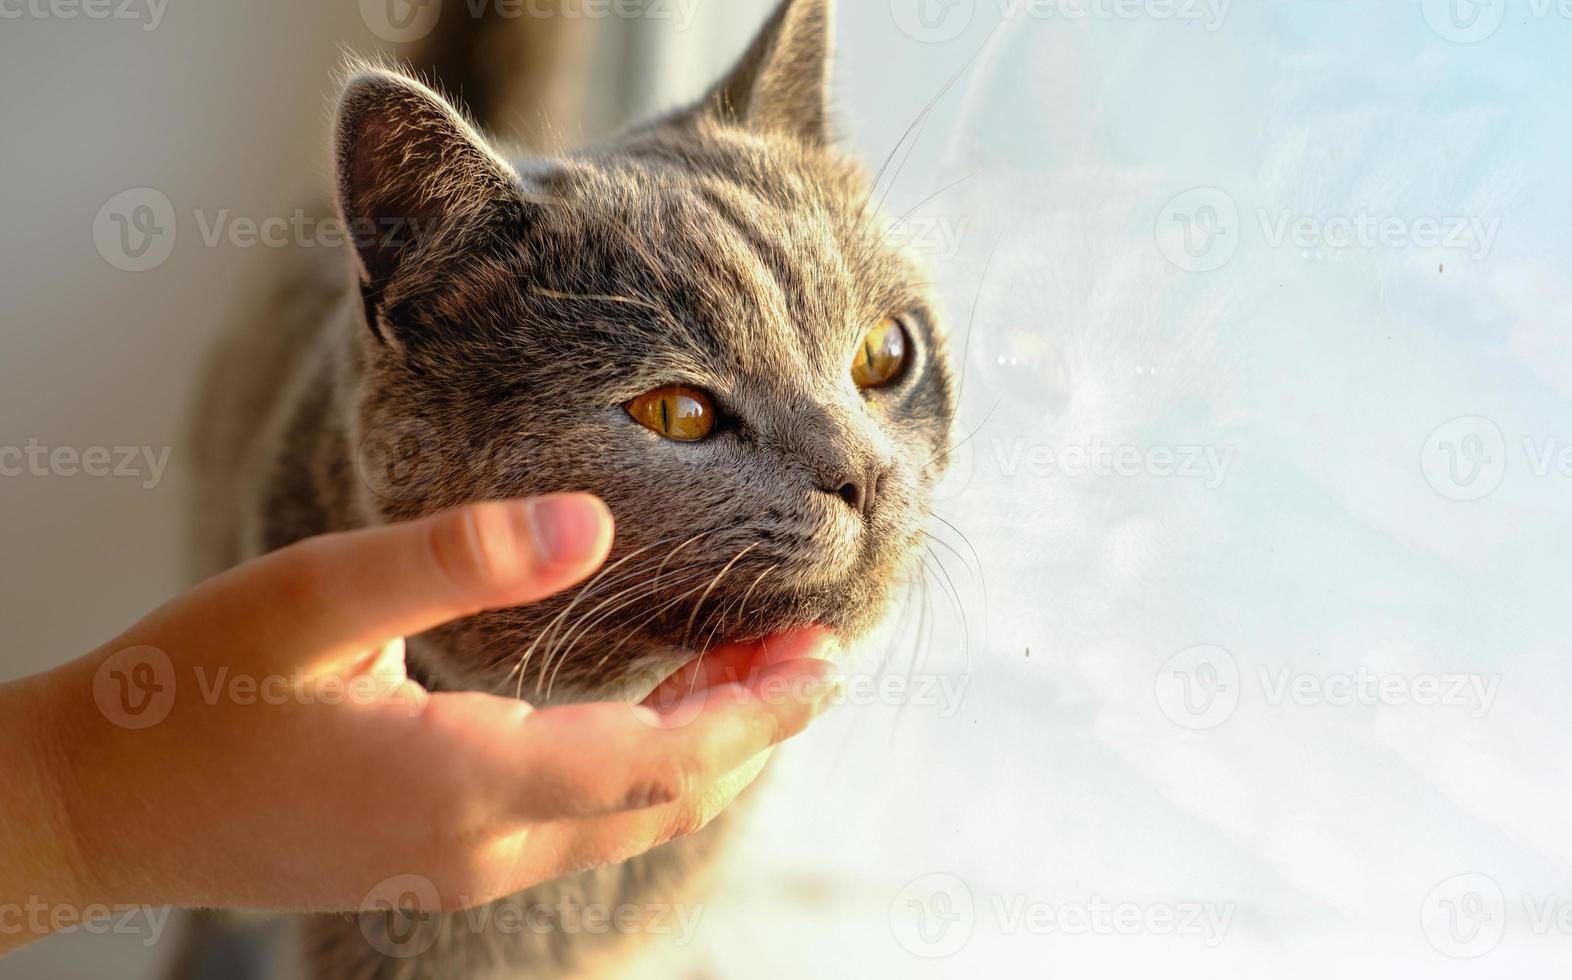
pixel 585 760
pixel 350 592
pixel 569 846
pixel 735 663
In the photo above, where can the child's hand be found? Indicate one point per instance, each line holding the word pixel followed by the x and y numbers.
pixel 256 743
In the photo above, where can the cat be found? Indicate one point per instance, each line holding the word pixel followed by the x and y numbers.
pixel 702 320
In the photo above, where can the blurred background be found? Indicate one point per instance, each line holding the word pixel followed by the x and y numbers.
pixel 1242 645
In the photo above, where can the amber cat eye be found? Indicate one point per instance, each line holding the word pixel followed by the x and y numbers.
pixel 683 414
pixel 881 355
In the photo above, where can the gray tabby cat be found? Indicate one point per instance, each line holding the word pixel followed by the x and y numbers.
pixel 702 321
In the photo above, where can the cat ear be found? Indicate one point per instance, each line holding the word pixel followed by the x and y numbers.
pixel 409 168
pixel 783 83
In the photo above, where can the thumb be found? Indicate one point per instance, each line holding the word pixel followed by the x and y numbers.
pixel 328 597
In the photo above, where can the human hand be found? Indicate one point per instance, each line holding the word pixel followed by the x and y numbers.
pixel 280 758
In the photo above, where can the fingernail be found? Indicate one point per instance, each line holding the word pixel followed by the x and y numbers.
pixel 566 529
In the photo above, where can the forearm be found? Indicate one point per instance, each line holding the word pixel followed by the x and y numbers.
pixel 40 884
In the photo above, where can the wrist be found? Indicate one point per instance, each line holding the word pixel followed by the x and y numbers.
pixel 41 861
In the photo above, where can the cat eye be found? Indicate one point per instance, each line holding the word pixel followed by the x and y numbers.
pixel 881 355
pixel 678 413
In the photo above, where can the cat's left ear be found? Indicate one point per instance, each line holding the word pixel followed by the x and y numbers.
pixel 782 84
pixel 410 171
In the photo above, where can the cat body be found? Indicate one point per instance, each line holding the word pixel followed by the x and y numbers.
pixel 482 342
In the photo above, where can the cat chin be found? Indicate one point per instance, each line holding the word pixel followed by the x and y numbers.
pixel 631 681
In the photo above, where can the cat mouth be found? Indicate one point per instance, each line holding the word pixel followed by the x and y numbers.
pixel 672 675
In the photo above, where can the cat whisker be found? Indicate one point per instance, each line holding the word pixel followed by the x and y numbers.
pixel 551 631
pixel 941 459
pixel 738 605
pixel 688 630
pixel 930 198
pixel 947 586
pixel 976 562
pixel 632 631
pixel 971 575
pixel 628 597
pixel 601 578
pixel 971 320
pixel 920 123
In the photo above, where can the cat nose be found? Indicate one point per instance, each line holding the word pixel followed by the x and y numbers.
pixel 859 490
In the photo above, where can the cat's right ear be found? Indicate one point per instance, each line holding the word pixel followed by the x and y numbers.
pixel 410 170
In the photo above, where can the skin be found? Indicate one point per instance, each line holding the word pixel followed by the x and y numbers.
pixel 493 795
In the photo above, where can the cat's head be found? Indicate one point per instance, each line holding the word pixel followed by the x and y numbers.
pixel 702 321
